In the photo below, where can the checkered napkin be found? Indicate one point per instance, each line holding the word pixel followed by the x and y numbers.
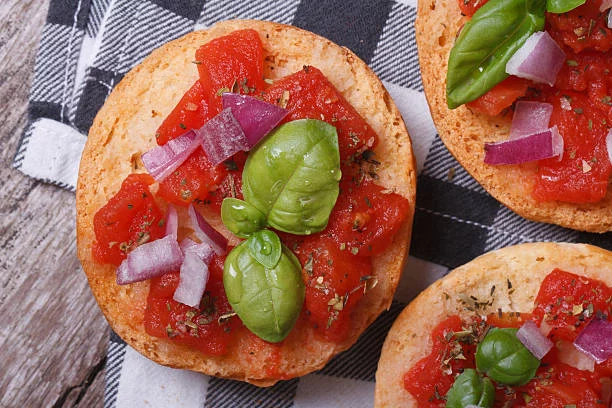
pixel 86 48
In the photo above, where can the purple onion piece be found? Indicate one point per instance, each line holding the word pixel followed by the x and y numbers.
pixel 161 161
pixel 256 117
pixel 530 117
pixel 206 233
pixel 595 340
pixel 149 260
pixel 538 146
pixel 539 59
pixel 203 250
pixel 171 221
pixel 222 137
pixel 532 338
pixel 192 281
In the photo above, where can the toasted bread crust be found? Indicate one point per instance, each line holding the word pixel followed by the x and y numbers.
pixel 464 132
pixel 525 266
pixel 125 128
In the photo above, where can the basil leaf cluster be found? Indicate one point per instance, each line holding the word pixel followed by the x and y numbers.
pixel 495 32
pixel 292 178
pixel 502 357
pixel 263 283
pixel 471 388
pixel 291 183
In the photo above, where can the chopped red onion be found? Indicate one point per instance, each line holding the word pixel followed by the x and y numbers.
pixel 149 260
pixel 530 117
pixel 595 340
pixel 539 59
pixel 529 334
pixel 206 233
pixel 203 250
pixel 538 146
pixel 171 221
pixel 256 117
pixel 605 4
pixel 570 355
pixel 192 281
pixel 222 137
pixel 162 160
pixel 609 20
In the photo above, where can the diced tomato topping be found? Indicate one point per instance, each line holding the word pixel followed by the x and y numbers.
pixel 128 219
pixel 193 180
pixel 581 176
pixel 335 281
pixel 231 63
pixel 567 302
pixel 366 217
pixel 231 186
pixel 508 319
pixel 190 113
pixel 196 327
pixel 558 385
pixel 309 94
pixel 501 96
pixel 469 7
pixel 431 377
pixel 582 28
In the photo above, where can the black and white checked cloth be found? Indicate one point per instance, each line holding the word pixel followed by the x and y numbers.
pixel 86 48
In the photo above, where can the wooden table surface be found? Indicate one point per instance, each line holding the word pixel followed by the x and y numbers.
pixel 52 335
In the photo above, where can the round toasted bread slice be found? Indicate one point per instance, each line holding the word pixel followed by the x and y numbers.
pixel 464 132
pixel 125 128
pixel 524 266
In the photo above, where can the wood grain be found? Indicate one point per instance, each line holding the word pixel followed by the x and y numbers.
pixel 52 336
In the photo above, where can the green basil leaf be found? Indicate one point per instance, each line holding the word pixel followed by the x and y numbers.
pixel 267 300
pixel 292 176
pixel 265 247
pixel 478 59
pixel 503 357
pixel 470 388
pixel 562 6
pixel 241 217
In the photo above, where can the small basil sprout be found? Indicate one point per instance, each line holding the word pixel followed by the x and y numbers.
pixel 293 176
pixel 470 388
pixel 503 357
pixel 267 300
pixel 241 217
pixel 266 247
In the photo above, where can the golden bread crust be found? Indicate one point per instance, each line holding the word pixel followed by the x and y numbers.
pixel 525 266
pixel 464 132
pixel 125 128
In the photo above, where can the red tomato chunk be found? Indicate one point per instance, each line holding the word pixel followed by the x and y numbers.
pixel 191 112
pixel 568 302
pixel 196 327
pixel 233 63
pixel 130 218
pixel 309 94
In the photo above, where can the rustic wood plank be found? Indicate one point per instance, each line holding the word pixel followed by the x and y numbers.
pixel 52 336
